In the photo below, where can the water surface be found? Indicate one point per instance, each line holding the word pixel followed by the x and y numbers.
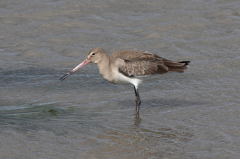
pixel 189 115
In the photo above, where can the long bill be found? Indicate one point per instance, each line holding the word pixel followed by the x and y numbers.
pixel 86 61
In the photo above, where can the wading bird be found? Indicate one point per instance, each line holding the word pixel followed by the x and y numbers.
pixel 130 67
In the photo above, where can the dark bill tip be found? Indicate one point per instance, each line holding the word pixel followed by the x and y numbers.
pixel 66 75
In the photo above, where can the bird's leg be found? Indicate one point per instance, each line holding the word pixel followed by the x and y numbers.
pixel 138 101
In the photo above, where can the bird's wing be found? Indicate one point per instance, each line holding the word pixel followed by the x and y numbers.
pixel 139 63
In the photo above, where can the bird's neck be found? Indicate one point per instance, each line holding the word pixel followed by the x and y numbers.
pixel 103 66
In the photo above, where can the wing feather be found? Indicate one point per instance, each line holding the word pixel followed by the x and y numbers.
pixel 139 63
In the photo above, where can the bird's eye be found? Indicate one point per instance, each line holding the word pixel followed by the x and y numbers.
pixel 93 54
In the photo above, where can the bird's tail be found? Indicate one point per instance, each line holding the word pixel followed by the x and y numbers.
pixel 176 66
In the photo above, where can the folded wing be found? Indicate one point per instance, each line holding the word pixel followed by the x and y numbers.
pixel 141 63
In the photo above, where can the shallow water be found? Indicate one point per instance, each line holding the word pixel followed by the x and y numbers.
pixel 189 115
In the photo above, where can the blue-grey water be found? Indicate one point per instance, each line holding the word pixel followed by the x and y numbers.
pixel 195 114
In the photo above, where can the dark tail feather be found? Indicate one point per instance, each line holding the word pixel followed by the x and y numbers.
pixel 176 66
pixel 186 62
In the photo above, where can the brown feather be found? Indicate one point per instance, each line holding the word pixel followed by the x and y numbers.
pixel 139 63
pixel 176 66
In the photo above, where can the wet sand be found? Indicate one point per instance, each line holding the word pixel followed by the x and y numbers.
pixel 189 115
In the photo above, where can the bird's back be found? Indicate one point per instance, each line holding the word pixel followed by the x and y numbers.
pixel 141 63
